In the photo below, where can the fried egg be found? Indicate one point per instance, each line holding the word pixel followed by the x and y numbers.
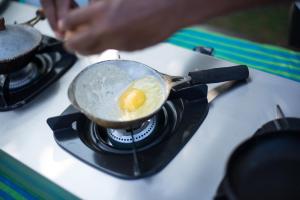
pixel 140 98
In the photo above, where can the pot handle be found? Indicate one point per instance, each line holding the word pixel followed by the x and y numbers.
pixel 39 15
pixel 2 24
pixel 216 75
pixel 52 47
pixel 4 87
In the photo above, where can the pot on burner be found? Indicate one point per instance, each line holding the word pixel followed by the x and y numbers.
pixel 20 42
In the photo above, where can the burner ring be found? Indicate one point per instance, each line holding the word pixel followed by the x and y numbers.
pixel 24 76
pixel 39 66
pixel 139 134
pixel 99 139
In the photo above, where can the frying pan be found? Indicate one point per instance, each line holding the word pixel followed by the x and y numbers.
pixel 19 42
pixel 267 165
pixel 95 90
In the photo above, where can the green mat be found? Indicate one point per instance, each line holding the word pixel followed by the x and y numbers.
pixel 17 181
pixel 267 58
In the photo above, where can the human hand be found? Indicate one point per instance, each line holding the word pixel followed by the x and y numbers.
pixel 56 10
pixel 120 24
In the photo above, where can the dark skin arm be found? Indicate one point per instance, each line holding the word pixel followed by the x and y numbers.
pixel 56 10
pixel 134 24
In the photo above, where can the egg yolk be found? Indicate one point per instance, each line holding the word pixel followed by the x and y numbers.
pixel 132 99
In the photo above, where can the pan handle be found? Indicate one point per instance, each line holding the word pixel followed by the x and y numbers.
pixel 52 47
pixel 2 24
pixel 39 15
pixel 216 75
pixel 4 87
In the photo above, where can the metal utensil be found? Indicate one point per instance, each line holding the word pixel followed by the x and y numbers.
pixel 95 89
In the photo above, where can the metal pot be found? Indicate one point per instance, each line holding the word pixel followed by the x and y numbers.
pixel 19 42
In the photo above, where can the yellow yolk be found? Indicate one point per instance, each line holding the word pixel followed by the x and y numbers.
pixel 132 99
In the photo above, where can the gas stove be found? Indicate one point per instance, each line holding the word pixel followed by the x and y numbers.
pixel 196 170
pixel 20 87
pixel 139 152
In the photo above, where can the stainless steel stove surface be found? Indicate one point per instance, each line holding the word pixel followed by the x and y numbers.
pixel 197 169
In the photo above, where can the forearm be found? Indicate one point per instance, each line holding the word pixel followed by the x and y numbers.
pixel 136 24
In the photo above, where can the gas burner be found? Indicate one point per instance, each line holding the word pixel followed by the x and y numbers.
pixel 123 137
pixel 156 142
pixel 23 77
pixel 41 65
pixel 120 141
pixel 43 70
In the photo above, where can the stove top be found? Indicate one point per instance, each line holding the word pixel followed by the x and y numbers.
pixel 197 169
pixel 156 141
pixel 19 88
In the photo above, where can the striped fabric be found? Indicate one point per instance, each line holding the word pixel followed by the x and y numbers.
pixel 17 181
pixel 267 58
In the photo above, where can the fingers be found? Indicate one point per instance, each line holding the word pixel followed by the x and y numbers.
pixel 83 41
pixel 50 12
pixel 77 17
pixel 87 31
pixel 62 8
pixel 55 10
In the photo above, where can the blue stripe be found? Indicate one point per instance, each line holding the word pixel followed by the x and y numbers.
pixel 17 188
pixel 261 69
pixel 5 196
pixel 242 51
pixel 255 63
pixel 181 44
pixel 245 60
pixel 242 44
pixel 236 60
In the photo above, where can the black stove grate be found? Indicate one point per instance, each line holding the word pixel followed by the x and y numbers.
pixel 44 69
pixel 177 122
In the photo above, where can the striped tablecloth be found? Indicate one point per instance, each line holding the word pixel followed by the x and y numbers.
pixel 267 58
pixel 17 181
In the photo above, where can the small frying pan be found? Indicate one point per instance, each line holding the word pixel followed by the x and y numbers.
pixel 96 89
pixel 267 165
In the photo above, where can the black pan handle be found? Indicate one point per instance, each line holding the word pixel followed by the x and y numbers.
pixel 4 88
pixel 39 15
pixel 2 24
pixel 216 75
pixel 52 47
